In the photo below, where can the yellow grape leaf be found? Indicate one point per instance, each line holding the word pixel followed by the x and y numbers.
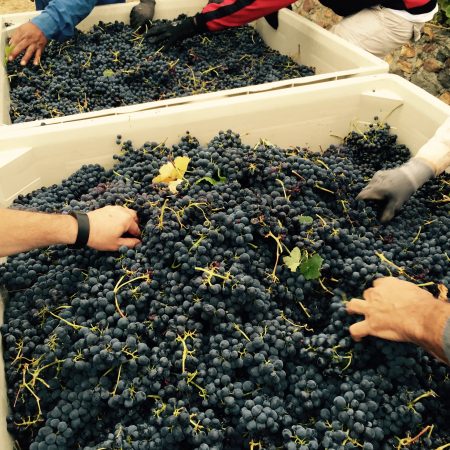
pixel 172 171
pixel 294 259
pixel 181 165
pixel 173 186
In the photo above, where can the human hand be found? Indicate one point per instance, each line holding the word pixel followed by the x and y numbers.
pixel 30 39
pixel 109 224
pixel 172 33
pixel 400 311
pixel 142 14
pixel 396 185
pixel 393 309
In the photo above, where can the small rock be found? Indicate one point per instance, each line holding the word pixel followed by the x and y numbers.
pixel 428 31
pixel 445 97
pixel 405 66
pixel 308 5
pixel 408 51
pixel 432 65
pixel 427 80
pixel 444 78
pixel 429 48
pixel 443 53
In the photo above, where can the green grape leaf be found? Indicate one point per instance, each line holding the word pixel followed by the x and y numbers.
pixel 108 73
pixel 8 51
pixel 208 179
pixel 211 180
pixel 310 268
pixel 294 259
pixel 307 220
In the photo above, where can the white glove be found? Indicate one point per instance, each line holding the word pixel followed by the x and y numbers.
pixel 397 185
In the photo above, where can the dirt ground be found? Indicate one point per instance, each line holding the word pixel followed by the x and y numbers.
pixel 10 6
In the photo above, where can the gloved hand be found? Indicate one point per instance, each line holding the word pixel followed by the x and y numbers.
pixel 142 14
pixel 397 185
pixel 272 18
pixel 172 33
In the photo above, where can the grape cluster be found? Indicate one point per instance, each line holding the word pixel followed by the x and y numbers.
pixel 201 337
pixel 110 67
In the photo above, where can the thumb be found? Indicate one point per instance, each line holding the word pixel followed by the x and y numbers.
pixel 359 330
pixel 369 193
pixel 390 210
pixel 128 242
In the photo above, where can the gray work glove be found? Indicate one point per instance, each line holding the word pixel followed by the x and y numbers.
pixel 396 185
pixel 142 14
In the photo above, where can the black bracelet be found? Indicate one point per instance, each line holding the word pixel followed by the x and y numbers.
pixel 83 229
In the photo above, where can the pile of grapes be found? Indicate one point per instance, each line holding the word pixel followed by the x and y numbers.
pixel 111 67
pixel 226 328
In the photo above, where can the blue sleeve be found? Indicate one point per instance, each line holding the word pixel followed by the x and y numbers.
pixel 59 19
pixel 447 340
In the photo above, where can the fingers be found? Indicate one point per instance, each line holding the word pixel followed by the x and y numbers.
pixel 132 213
pixel 133 229
pixel 356 306
pixel 359 330
pixel 32 48
pixel 156 31
pixel 128 242
pixel 37 56
pixel 159 34
pixel 369 294
pixel 389 211
pixel 18 48
pixel 369 193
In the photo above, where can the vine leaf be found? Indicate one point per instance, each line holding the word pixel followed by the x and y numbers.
pixel 306 220
pixel 172 173
pixel 293 260
pixel 310 268
pixel 8 51
pixel 211 180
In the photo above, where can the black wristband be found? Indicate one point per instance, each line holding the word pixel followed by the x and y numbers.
pixel 83 229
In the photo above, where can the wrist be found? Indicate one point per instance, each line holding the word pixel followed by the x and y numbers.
pixel 83 229
pixel 418 171
pixel 434 319
pixel 67 229
pixel 199 23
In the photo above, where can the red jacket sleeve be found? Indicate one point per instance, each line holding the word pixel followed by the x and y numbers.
pixel 233 13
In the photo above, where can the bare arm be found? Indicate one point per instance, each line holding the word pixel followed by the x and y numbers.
pixel 400 311
pixel 22 230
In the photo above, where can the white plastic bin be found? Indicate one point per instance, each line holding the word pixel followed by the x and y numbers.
pixel 312 116
pixel 297 37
